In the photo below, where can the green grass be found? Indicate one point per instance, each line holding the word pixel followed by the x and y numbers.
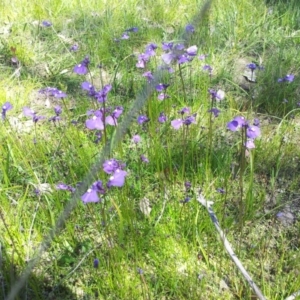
pixel 174 252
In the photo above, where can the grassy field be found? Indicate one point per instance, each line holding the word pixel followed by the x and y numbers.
pixel 116 115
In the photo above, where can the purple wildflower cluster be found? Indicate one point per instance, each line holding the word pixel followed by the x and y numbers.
pixel 144 58
pixel 101 95
pixel 188 120
pixel 53 92
pixel 126 34
pixel 252 131
pixel 112 167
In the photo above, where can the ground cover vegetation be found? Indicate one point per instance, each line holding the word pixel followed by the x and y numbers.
pixel 116 115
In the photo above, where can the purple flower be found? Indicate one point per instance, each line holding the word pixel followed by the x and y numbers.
pixel 162 96
pixel 82 68
pixel 185 110
pixel 142 119
pixel 256 122
pixel 46 23
pixel 215 111
pixel 186 200
pixel 101 96
pixel 176 124
pixel 91 194
pixel 88 87
pixel 142 60
pixel 162 118
pixel 136 139
pixel 5 107
pixel 125 36
pixel 96 263
pixel 253 131
pixel 249 144
pixel 187 185
pixel 161 87
pixel 236 123
pixel 117 179
pixel 202 56
pixel 150 49
pixel 28 112
pixel 113 117
pixel 111 165
pixel 192 51
pixel 221 190
pixel 252 66
pixel 132 29
pixel 74 48
pixel 144 159
pixel 96 122
pixel 177 53
pixel 167 46
pixel 148 75
pixel 208 68
pixel 65 187
pixel 287 78
pixel 190 28
pixel 217 95
pixel 54 92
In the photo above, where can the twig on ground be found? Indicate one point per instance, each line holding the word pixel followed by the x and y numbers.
pixel 233 256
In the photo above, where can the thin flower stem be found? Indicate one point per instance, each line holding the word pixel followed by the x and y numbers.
pixel 241 177
pixel 182 82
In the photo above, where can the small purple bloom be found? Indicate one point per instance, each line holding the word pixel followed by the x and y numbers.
pixel 5 107
pixel 249 144
pixel 215 111
pixel 287 78
pixel 74 48
pixel 190 28
pixel 162 118
pixel 142 119
pixel 162 96
pixel 142 60
pixel 46 23
pixel 186 200
pixel 96 263
pixel 208 68
pixel 132 29
pixel 65 187
pixel 187 185
pixel 176 124
pixel 148 75
pixel 253 132
pixel 161 87
pixel 185 110
pixel 167 46
pixel 144 159
pixel 192 51
pixel 252 66
pixel 136 139
pixel 236 123
pixel 150 49
pixel 111 165
pixel 256 122
pixel 28 112
pixel 117 179
pixel 94 123
pixel 125 36
pixel 217 95
pixel 202 56
pixel 221 190
pixel 82 68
